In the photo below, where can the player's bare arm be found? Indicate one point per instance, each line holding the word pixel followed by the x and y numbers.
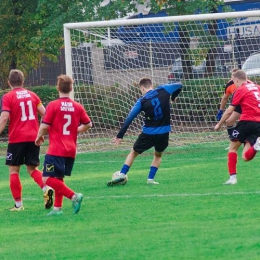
pixel 225 116
pixel 224 101
pixel 3 120
pixel 43 130
pixel 41 110
pixel 84 128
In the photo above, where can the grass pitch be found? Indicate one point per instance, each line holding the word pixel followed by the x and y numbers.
pixel 190 215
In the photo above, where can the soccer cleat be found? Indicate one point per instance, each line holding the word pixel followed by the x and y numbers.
pixel 231 182
pixel 17 208
pixel 118 180
pixel 76 203
pixel 152 181
pixel 257 144
pixel 48 200
pixel 55 212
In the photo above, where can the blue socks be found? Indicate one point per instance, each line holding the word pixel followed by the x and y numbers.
pixel 152 172
pixel 125 169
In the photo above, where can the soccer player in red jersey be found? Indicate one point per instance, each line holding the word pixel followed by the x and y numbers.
pixel 247 130
pixel 21 108
pixel 63 120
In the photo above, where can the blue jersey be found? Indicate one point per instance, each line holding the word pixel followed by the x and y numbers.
pixel 156 107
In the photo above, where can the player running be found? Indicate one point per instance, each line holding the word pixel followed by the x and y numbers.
pixel 63 120
pixel 21 108
pixel 247 130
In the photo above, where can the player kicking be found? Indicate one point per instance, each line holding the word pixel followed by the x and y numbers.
pixel 21 108
pixel 247 130
pixel 155 132
pixel 63 120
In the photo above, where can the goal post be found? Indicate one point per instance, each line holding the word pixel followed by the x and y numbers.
pixel 106 59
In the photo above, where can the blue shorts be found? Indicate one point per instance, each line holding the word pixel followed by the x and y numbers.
pixel 57 166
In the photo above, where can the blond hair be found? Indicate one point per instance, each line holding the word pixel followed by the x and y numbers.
pixel 240 75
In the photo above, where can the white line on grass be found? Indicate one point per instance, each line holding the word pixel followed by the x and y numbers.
pixel 157 195
pixel 175 195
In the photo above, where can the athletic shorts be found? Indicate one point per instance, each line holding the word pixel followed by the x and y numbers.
pixel 57 166
pixel 246 131
pixel 22 153
pixel 144 142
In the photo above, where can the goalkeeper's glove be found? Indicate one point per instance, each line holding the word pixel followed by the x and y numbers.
pixel 219 114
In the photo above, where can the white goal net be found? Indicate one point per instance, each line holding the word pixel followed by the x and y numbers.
pixel 106 59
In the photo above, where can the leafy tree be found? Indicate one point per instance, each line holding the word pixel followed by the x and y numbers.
pixel 32 29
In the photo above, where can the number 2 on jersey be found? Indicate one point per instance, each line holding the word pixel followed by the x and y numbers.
pixel 66 125
pixel 30 110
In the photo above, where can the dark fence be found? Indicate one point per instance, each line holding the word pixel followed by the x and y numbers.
pixel 47 73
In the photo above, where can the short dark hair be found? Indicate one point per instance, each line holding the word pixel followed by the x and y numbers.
pixel 145 82
pixel 64 83
pixel 16 78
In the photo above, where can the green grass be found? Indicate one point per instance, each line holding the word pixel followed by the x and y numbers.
pixel 190 215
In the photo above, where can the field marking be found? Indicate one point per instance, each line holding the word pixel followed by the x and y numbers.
pixel 150 158
pixel 175 195
pixel 155 195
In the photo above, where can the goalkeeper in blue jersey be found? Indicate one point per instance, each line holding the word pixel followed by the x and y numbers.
pixel 155 103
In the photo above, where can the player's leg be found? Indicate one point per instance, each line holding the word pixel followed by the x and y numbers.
pixel 252 141
pixel 232 162
pixel 161 142
pixel 154 168
pixel 231 121
pixel 54 170
pixel 237 136
pixel 16 187
pixel 31 155
pixel 14 159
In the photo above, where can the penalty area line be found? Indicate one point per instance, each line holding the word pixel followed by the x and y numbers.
pixel 174 195
pixel 155 195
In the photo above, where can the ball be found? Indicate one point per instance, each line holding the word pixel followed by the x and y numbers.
pixel 118 174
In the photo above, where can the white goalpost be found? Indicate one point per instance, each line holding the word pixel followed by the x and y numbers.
pixel 106 59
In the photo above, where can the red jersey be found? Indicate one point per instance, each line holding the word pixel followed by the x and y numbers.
pixel 23 116
pixel 64 116
pixel 248 97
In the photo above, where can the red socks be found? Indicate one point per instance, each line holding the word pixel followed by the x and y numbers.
pixel 58 197
pixel 60 187
pixel 37 176
pixel 232 163
pixel 250 153
pixel 16 187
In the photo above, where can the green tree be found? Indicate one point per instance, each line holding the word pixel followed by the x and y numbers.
pixel 32 29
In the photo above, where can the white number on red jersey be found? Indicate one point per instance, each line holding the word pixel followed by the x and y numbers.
pixel 66 125
pixel 30 110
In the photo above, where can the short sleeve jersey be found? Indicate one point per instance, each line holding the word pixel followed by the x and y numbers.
pixel 23 120
pixel 230 88
pixel 248 97
pixel 63 117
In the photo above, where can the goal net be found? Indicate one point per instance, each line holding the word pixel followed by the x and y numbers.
pixel 106 60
